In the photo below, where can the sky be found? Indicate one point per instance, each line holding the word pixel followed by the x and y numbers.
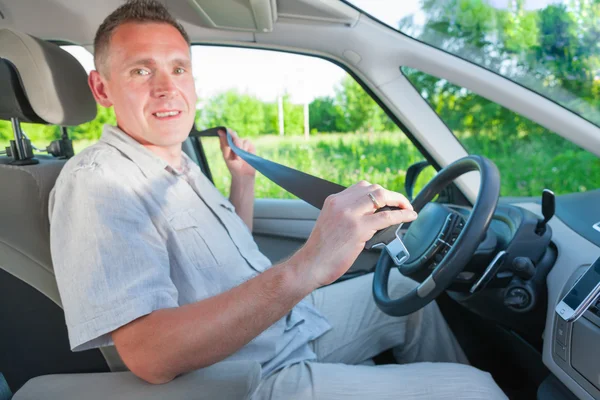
pixel 267 74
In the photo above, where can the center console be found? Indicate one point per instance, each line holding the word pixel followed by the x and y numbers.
pixel 576 343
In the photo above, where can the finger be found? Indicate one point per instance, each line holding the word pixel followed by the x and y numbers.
pixel 360 185
pixel 384 219
pixel 248 145
pixel 225 149
pixel 233 134
pixel 239 143
pixel 380 197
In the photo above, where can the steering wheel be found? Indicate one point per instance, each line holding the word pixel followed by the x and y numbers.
pixel 439 239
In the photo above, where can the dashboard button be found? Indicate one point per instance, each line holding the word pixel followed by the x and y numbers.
pixel 561 331
pixel 560 350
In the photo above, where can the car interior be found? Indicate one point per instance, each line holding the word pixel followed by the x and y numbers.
pixel 498 267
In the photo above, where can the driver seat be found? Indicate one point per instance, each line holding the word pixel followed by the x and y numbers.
pixel 41 83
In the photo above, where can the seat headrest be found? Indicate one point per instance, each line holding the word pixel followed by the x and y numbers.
pixel 42 83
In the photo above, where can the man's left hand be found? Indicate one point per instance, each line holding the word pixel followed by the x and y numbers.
pixel 237 167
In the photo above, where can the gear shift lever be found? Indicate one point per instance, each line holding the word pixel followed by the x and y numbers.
pixel 548 208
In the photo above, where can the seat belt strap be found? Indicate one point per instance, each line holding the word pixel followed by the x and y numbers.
pixel 314 191
pixel 309 188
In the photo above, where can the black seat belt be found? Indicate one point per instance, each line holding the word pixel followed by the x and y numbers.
pixel 314 191
pixel 309 188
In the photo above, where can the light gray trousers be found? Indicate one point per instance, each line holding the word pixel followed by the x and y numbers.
pixel 431 364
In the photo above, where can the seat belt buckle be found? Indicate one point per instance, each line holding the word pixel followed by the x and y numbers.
pixel 396 249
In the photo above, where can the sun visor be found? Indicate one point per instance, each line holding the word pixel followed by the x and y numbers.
pixel 42 83
pixel 245 15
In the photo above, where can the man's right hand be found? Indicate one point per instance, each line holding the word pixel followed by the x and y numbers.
pixel 346 222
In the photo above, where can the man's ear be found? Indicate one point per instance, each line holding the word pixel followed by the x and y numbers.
pixel 98 87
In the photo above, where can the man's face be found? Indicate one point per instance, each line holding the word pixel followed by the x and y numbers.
pixel 148 79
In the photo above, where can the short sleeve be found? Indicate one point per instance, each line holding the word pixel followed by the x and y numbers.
pixel 110 261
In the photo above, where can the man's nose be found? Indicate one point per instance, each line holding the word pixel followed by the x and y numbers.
pixel 163 85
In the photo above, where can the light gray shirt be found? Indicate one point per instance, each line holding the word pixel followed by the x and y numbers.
pixel 131 235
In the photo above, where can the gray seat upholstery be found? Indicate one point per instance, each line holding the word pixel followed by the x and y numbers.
pixel 24 229
pixel 227 380
pixel 44 84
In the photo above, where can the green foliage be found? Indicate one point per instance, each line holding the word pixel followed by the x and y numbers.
pixel 293 117
pixel 271 121
pixel 324 114
pixel 241 112
pixel 93 130
pixel 40 135
pixel 528 165
pixel 343 158
pixel 360 113
pixel 5 132
pixel 554 50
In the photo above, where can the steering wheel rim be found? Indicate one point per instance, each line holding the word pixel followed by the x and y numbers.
pixel 464 247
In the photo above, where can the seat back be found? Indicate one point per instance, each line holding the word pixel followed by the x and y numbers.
pixel 33 337
pixel 40 83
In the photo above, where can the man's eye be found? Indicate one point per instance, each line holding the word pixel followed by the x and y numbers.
pixel 141 72
pixel 179 70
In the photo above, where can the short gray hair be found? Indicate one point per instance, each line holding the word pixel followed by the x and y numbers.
pixel 141 11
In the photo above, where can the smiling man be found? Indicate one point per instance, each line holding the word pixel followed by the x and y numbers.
pixel 150 257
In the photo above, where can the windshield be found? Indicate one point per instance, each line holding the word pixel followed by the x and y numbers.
pixel 549 46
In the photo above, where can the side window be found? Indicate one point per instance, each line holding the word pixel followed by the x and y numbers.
pixel 300 111
pixel 82 135
pixel 529 156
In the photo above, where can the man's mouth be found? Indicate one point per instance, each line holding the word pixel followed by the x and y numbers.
pixel 166 114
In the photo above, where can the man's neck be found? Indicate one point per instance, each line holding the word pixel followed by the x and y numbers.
pixel 172 155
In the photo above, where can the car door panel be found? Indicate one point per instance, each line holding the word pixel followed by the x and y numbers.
pixel 282 226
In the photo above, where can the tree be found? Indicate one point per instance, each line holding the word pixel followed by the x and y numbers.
pixel 241 112
pixel 554 50
pixel 324 114
pixel 293 116
pixel 360 113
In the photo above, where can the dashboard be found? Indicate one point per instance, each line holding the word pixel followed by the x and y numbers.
pixel 571 350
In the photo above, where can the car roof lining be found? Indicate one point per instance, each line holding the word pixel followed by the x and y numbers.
pixel 224 20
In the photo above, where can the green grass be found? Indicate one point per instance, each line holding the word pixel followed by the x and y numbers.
pixel 339 158
pixel 527 164
pixel 384 158
pixel 530 163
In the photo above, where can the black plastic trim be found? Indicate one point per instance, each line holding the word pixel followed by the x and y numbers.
pixel 580 211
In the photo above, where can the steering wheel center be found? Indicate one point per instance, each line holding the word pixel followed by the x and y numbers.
pixel 430 237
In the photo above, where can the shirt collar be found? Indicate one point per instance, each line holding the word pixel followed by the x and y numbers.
pixel 148 162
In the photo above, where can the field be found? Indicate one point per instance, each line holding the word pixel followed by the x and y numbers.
pixel 527 164
pixel 384 158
